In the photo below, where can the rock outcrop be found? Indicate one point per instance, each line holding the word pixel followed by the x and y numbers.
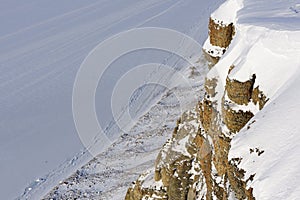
pixel 194 163
pixel 220 36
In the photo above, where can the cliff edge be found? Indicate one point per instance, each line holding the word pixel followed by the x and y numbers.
pixel 240 140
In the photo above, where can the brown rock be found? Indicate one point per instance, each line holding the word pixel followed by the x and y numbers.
pixel 240 92
pixel 206 114
pixel 259 97
pixel 220 34
pixel 236 120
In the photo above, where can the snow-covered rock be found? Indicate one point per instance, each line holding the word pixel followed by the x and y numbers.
pixel 246 145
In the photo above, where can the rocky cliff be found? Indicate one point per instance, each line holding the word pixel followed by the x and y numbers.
pixel 194 163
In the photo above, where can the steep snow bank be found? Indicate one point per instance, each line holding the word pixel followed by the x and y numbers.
pixel 267 44
pixel 227 12
pixel 275 132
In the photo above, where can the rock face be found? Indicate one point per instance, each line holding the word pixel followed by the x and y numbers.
pixel 236 120
pixel 171 175
pixel 240 92
pixel 194 163
pixel 220 36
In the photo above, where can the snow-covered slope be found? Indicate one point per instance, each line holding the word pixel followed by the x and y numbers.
pixel 109 175
pixel 267 43
pixel 42 44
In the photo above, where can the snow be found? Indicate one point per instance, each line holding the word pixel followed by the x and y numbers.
pixel 267 43
pixel 276 132
pixel 42 44
pixel 227 12
pixel 278 58
pixel 112 172
pixel 276 65
pixel 214 51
